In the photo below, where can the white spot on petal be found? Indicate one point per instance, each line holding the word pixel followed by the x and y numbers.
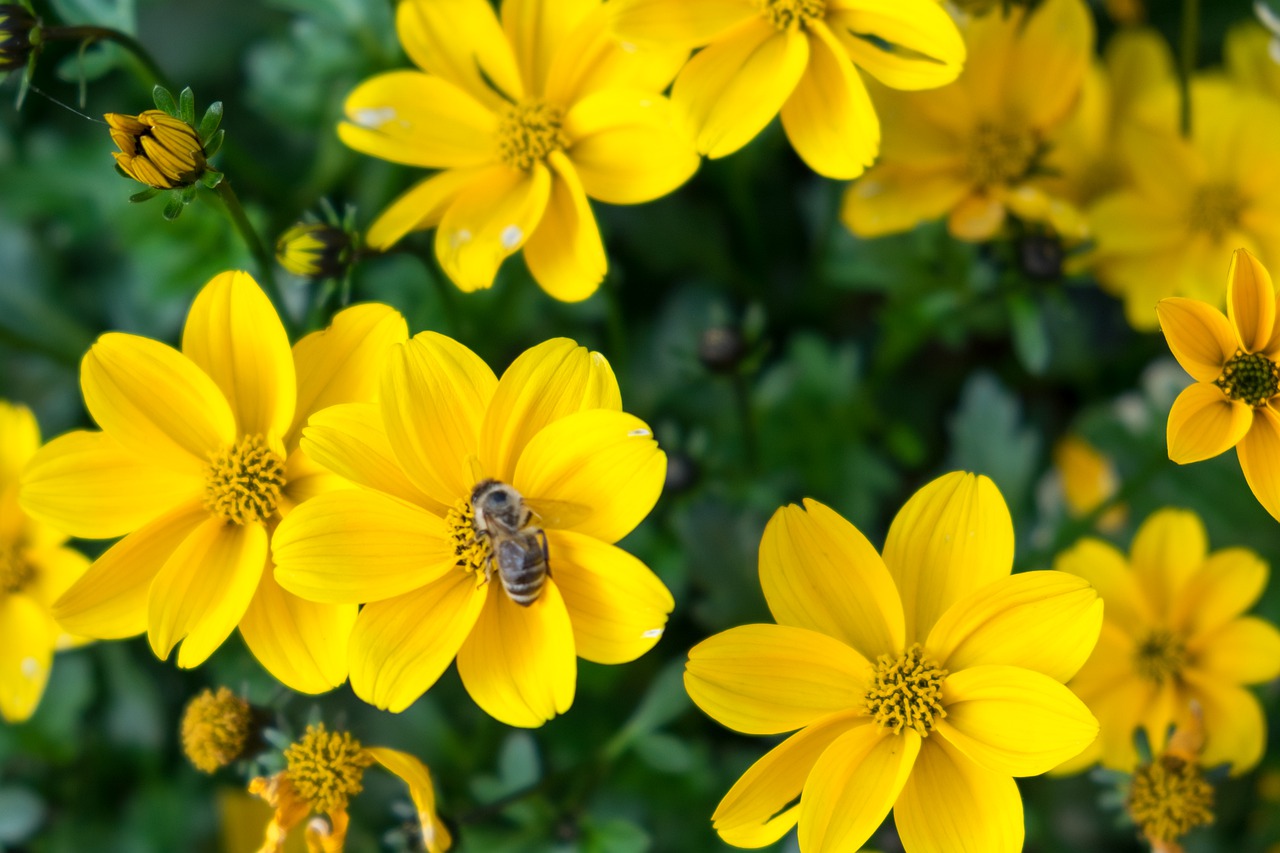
pixel 639 433
pixel 511 237
pixel 651 633
pixel 30 668
pixel 460 238
pixel 646 103
pixel 374 117
pixel 627 46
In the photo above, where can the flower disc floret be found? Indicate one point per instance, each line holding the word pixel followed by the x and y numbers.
pixel 216 728
pixel 1000 154
pixel 1250 377
pixel 529 132
pixel 1169 798
pixel 1161 656
pixel 473 553
pixel 785 13
pixel 907 692
pixel 15 572
pixel 1216 210
pixel 327 768
pixel 244 482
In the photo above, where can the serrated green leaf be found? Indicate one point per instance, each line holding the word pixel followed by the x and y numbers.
pixel 164 101
pixel 212 118
pixel 187 106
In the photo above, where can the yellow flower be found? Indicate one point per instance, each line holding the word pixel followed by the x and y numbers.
pixel 972 151
pixel 1173 635
pixel 315 250
pixel 157 149
pixel 1189 201
pixel 1088 480
pixel 1250 56
pixel 799 58
pixel 1235 400
pixel 410 545
pixel 1169 796
pixel 527 118
pixel 35 568
pixel 921 681
pixel 196 462
pixel 325 769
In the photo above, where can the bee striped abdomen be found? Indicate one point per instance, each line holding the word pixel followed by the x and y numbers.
pixel 522 567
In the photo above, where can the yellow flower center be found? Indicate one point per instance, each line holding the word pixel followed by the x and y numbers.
pixel 1160 656
pixel 784 13
pixel 906 692
pixel 327 768
pixel 1169 798
pixel 243 482
pixel 15 572
pixel 1216 210
pixel 1251 377
pixel 472 553
pixel 216 728
pixel 528 132
pixel 1000 153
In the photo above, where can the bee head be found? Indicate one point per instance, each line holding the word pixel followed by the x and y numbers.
pixel 497 504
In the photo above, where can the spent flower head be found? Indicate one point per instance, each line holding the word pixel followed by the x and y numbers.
pixel 217 729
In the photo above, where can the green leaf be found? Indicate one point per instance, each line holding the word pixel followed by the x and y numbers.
pixel 187 106
pixel 212 118
pixel 211 178
pixel 214 144
pixel 21 813
pixel 989 437
pixel 164 101
pixel 146 195
pixel 173 207
pixel 1030 337
pixel 665 700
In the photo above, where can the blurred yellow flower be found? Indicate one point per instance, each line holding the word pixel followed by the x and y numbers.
pixel 800 58
pixel 1172 636
pixel 1089 480
pixel 315 250
pixel 196 461
pixel 1251 58
pixel 325 769
pixel 1233 359
pixel 551 435
pixel 35 568
pixel 527 117
pixel 920 682
pixel 1169 796
pixel 1189 202
pixel 973 151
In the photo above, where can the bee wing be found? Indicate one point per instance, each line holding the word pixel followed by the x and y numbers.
pixel 557 514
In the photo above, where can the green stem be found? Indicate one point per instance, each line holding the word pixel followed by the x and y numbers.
pixel 1188 45
pixel 93 34
pixel 746 414
pixel 266 263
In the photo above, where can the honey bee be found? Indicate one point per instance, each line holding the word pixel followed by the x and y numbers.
pixel 519 546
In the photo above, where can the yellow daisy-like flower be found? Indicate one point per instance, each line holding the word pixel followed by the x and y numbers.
pixel 1173 636
pixel 441 581
pixel 527 117
pixel 971 151
pixel 325 770
pixel 1250 55
pixel 196 462
pixel 1190 201
pixel 1236 399
pixel 35 568
pixel 800 59
pixel 1089 479
pixel 919 682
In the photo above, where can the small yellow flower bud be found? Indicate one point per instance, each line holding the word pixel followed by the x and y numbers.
pixel 315 250
pixel 157 149
pixel 217 729
pixel 17 27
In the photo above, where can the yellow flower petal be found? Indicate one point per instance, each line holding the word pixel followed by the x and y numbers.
pixel 565 255
pixel 434 396
pixel 435 835
pixel 57 568
pixel 518 663
pixel 977 218
pixel 301 643
pixel 1047 62
pixel 155 401
pixel 1162 165
pixel 679 22
pixel 890 198
pixel 762 805
pixel 537 31
pixel 400 646
pixel 421 207
pixel 235 336
pixel 204 588
pixel 593 58
pixel 627 146
pixel 952 804
pixel 1226 585
pixel 819 572
pixel 27 637
pixel 1014 721
pixel 110 601
pixel 829 118
pixel 732 89
pixel 19 441
pixel 1043 621
pixel 912 45
pixel 954 536
pixel 766 679
pixel 1167 550
pixel 1204 422
pixel 1251 301
pixel 1128 223
pixel 1259 454
pixel 88 485
pixel 617 606
pixel 1243 651
pixel 603 461
pixel 1107 571
pixel 1120 707
pixel 461 41
pixel 354 546
pixel 305 479
pixel 1233 715
pixel 852 787
pixel 489 222
pixel 341 364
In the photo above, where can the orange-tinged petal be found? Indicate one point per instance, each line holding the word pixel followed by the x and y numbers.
pixel 1044 621
pixel 420 207
pixel 617 606
pixel 27 636
pixel 110 601
pixel 538 30
pixel 604 462
pixel 1167 551
pixel 1251 301
pixel 950 803
pixel 156 402
pixel 1243 651
pixel 1199 336
pixel 1107 571
pixel 518 663
pixel 400 646
pixel 1226 585
pixel 204 588
pixel 952 537
pixel 462 41
pixel 852 787
pixel 977 218
pixel 1204 423
pixel 353 546
pixel 1235 720
pixel 767 679
pixel 1259 454
pixel 88 485
pixel 235 336
pixel 819 572
pixel 489 222
pixel 679 22
pixel 565 255
pixel 301 643
pixel 909 45
pixel 435 835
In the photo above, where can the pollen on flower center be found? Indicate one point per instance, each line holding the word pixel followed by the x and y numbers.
pixel 243 482
pixel 216 729
pixel 784 13
pixel 1160 656
pixel 15 572
pixel 906 692
pixel 1216 210
pixel 472 553
pixel 1169 798
pixel 1000 154
pixel 528 132
pixel 327 768
pixel 1250 377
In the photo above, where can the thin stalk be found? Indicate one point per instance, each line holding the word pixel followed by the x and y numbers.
pixel 91 34
pixel 266 262
pixel 1189 43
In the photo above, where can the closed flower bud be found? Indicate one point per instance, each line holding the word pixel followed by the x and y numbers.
pixel 315 250
pixel 157 149
pixel 17 28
